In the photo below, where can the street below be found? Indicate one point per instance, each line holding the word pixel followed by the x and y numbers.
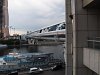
pixel 58 72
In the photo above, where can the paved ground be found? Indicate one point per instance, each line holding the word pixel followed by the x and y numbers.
pixel 46 71
pixel 58 72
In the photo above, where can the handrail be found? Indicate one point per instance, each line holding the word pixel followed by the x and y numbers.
pixel 94 44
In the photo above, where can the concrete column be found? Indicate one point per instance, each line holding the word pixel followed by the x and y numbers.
pixel 68 51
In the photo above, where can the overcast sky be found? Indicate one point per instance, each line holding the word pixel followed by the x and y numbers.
pixel 31 15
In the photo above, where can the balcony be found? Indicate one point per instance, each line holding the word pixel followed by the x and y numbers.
pixel 91 3
pixel 91 56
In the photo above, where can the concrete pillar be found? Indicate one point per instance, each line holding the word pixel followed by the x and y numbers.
pixel 68 51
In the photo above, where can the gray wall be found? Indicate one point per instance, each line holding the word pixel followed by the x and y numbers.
pixel 85 24
pixel 91 59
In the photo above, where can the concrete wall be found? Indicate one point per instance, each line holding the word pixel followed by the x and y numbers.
pixel 85 24
pixel 87 2
pixel 92 60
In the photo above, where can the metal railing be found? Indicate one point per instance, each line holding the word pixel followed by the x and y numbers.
pixel 94 43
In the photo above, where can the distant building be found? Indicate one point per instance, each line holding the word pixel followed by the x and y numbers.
pixel 4 21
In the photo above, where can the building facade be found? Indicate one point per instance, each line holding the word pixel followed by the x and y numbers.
pixel 4 19
pixel 82 42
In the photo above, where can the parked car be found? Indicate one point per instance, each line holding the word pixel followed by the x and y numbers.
pixel 35 70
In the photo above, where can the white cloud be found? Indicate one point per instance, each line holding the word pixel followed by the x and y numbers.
pixel 34 14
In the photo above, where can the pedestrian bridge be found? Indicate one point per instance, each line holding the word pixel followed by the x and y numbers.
pixel 57 29
pixel 52 33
